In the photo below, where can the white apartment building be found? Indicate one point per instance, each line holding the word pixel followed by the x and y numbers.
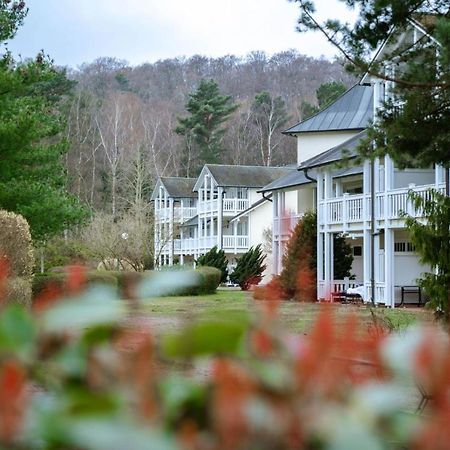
pixel 194 215
pixel 385 262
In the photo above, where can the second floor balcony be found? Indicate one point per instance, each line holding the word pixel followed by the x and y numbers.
pixel 180 214
pixel 230 206
pixel 191 246
pixel 353 209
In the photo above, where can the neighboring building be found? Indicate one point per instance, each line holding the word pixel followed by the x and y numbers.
pixel 175 204
pixel 343 197
pixel 194 215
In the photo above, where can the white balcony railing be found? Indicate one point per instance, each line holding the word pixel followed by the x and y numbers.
pixel 179 214
pixel 234 205
pixel 356 208
pixel 207 206
pixel 229 205
pixel 326 289
pixel 235 242
pixel 191 246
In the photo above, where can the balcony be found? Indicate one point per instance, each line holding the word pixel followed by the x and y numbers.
pixel 180 214
pixel 189 246
pixel 350 209
pixel 231 206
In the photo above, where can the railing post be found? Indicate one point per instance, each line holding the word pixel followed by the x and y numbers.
pixel 410 208
pixel 345 218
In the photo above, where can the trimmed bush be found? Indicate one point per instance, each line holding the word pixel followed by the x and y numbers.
pixel 42 280
pixel 249 269
pixel 205 281
pixel 215 258
pixel 16 248
pixel 18 290
pixel 210 279
pixel 16 245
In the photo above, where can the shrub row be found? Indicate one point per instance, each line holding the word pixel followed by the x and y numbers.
pixel 205 281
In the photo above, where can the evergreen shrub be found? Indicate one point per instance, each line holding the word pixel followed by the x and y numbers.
pixel 298 277
pixel 215 258
pixel 249 269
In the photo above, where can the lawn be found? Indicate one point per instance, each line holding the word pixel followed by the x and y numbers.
pixel 169 313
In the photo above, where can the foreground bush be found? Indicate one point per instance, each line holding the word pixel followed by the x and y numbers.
pixel 80 375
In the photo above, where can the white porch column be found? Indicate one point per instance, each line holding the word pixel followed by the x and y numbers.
pixel 171 231
pixel 389 262
pixel 274 232
pixel 320 275
pixel 220 218
pixel 328 263
pixel 366 262
pixel 389 267
pixel 235 224
pixel 328 188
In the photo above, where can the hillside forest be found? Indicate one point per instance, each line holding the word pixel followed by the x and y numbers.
pixel 125 124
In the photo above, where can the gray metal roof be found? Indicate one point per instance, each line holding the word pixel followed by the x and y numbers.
pixel 251 208
pixel 353 110
pixel 292 178
pixel 345 150
pixel 246 176
pixel 177 187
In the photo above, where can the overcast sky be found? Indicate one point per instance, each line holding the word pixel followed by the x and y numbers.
pixel 77 31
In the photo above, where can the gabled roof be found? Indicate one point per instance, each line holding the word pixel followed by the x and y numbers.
pixel 345 150
pixel 193 222
pixel 292 178
pixel 176 187
pixel 243 176
pixel 255 205
pixel 353 110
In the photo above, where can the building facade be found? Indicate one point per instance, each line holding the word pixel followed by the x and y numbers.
pixel 194 215
pixel 366 202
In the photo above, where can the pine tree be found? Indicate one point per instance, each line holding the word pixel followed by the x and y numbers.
pixel 299 275
pixel 215 258
pixel 203 128
pixel 326 93
pixel 249 269
pixel 32 177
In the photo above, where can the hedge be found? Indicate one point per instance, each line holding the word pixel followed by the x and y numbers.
pixel 205 281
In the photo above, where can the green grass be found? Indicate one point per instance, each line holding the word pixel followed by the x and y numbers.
pixel 222 300
pixel 293 316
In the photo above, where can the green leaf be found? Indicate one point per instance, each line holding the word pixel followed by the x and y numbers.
pixel 17 332
pixel 98 306
pixel 180 395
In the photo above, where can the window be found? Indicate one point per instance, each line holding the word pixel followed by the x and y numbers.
pixel 357 250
